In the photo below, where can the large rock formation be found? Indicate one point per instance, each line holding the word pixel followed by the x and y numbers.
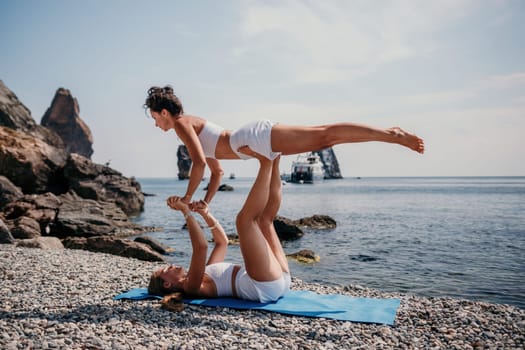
pixel 183 162
pixel 5 234
pixel 30 163
pixel 330 163
pixel 63 118
pixel 100 182
pixel 8 192
pixel 66 215
pixel 16 116
pixel 47 191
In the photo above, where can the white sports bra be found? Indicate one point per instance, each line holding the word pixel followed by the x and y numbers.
pixel 209 136
pixel 221 274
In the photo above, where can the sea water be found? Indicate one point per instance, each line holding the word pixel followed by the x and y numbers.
pixel 432 236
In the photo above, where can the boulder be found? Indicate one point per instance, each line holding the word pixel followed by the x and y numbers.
pixel 286 229
pixel 319 222
pixel 86 218
pixel 41 242
pixel 24 212
pixel 183 162
pixel 155 245
pixel 102 183
pixel 63 118
pixel 70 215
pixel 16 116
pixel 225 188
pixel 24 227
pixel 305 256
pixel 5 234
pixel 30 163
pixel 8 192
pixel 222 188
pixel 115 246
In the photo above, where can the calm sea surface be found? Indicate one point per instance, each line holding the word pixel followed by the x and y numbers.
pixel 444 236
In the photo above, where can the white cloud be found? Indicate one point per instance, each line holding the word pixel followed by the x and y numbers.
pixel 335 40
pixel 479 90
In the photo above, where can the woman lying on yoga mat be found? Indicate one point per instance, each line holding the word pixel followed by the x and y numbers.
pixel 265 275
pixel 207 142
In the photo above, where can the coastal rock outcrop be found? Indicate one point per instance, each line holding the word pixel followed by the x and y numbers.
pixel 63 118
pixel 48 190
pixel 330 163
pixel 30 163
pixel 8 192
pixel 5 234
pixel 102 183
pixel 183 162
pixel 155 245
pixel 115 246
pixel 82 217
pixel 318 222
pixel 305 256
pixel 289 230
pixel 286 229
pixel 41 243
pixel 25 227
pixel 15 115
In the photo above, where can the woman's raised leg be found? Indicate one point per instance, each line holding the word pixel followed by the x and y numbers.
pixel 268 215
pixel 259 259
pixel 289 139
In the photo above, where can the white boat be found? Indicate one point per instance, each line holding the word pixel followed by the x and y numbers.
pixel 307 168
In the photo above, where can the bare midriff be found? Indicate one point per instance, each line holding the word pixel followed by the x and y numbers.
pixel 224 149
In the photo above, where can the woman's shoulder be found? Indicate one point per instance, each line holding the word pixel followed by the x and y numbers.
pixel 191 120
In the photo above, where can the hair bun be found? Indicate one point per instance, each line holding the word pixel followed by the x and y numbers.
pixel 168 90
pixel 154 90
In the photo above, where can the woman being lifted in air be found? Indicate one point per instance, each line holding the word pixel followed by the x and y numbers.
pixel 264 277
pixel 207 142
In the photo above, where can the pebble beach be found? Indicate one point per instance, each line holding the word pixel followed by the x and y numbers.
pixel 62 299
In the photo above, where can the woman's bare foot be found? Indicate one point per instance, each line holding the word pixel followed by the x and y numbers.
pixel 407 139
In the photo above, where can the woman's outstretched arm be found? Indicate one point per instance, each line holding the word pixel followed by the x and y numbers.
pixel 188 136
pixel 219 236
pixel 215 178
pixel 195 274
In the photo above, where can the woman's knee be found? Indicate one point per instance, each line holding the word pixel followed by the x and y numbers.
pixel 244 219
pixel 265 220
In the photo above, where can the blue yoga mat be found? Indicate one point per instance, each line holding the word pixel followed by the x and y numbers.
pixel 302 303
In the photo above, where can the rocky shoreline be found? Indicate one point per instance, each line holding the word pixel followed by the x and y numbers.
pixel 55 299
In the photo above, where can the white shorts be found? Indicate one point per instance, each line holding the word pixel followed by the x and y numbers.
pixel 264 292
pixel 258 136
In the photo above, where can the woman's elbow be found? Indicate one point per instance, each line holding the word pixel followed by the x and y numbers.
pixel 221 241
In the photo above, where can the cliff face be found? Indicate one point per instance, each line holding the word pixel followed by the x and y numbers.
pixel 330 163
pixel 16 116
pixel 34 159
pixel 183 162
pixel 63 118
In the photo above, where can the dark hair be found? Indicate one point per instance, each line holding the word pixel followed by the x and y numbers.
pixel 156 286
pixel 163 98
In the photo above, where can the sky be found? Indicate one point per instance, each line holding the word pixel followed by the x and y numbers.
pixel 451 71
